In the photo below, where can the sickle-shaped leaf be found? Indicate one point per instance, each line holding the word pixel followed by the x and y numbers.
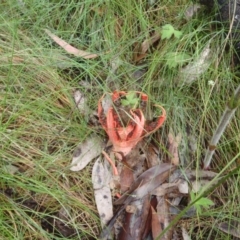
pixel 86 152
pixel 70 49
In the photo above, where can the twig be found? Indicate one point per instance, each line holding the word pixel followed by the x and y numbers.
pixel 226 118
pixel 115 171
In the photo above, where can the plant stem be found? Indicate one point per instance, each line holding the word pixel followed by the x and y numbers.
pixel 225 119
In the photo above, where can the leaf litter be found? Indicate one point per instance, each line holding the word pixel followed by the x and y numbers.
pixel 141 186
pixel 81 158
pixel 147 189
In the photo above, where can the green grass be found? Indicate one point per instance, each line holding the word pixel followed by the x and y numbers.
pixel 41 126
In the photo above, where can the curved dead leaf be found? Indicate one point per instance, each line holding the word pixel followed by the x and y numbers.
pixel 232 228
pixel 70 49
pixel 149 42
pixel 86 152
pixel 102 192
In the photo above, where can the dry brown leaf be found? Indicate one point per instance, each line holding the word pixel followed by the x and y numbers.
pixel 133 225
pixel 165 188
pixel 149 42
pixel 163 217
pixel 232 228
pixel 152 154
pixel 192 175
pixel 143 186
pixel 118 27
pixel 70 49
pixel 139 57
pixel 173 143
pixel 126 178
pixel 156 225
pixel 147 182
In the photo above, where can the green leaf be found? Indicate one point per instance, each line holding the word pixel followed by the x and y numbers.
pixel 204 202
pixel 168 30
pixel 131 100
pixel 176 58
pixel 130 96
pixel 124 102
pixel 201 203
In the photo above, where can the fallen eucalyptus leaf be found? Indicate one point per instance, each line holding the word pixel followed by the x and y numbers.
pixel 164 189
pixel 102 192
pixel 175 210
pixel 193 70
pixel 70 49
pixel 232 228
pixel 156 224
pixel 161 216
pixel 191 10
pixel 152 154
pixel 80 101
pixel 191 175
pixel 149 42
pixel 134 222
pixel 86 152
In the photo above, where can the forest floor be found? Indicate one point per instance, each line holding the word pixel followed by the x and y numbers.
pixel 41 198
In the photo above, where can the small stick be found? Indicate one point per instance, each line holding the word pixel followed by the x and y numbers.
pixel 115 171
pixel 224 121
